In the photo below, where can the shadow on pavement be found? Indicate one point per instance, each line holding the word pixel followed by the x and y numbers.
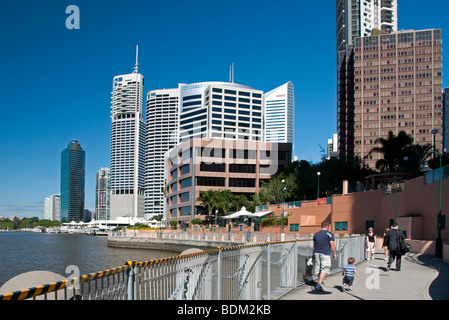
pixel 438 290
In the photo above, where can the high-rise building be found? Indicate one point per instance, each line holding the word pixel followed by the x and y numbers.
pixel 280 114
pixel 220 110
pixel 161 136
pixel 52 207
pixel 127 146
pixel 218 164
pixel 446 120
pixel 390 82
pixel 72 182
pixel 358 18
pixel 103 194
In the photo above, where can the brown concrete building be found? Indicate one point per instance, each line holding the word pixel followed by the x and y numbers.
pixel 213 164
pixel 390 82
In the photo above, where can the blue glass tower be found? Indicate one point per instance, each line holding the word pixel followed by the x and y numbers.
pixel 72 182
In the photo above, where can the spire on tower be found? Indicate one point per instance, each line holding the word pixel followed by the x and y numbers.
pixel 136 66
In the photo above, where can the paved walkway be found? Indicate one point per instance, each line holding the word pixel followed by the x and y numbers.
pixel 421 278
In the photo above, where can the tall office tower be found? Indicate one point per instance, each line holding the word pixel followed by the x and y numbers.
pixel 161 136
pixel 446 120
pixel 280 114
pixel 72 182
pixel 394 84
pixel 358 18
pixel 52 207
pixel 220 110
pixel 127 146
pixel 103 194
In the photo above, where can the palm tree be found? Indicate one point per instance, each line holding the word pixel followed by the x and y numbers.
pixel 392 149
pixel 208 200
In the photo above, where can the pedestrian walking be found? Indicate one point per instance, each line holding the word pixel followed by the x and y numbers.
pixel 349 272
pixel 393 239
pixel 323 244
pixel 385 245
pixel 370 244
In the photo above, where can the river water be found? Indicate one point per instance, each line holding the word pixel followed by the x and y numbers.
pixel 29 251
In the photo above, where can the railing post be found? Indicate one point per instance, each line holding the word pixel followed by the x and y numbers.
pixel 219 258
pixel 268 271
pixel 131 279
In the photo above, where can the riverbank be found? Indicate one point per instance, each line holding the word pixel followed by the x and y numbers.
pixel 172 245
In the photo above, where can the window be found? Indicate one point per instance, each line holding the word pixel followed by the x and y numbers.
pixel 294 227
pixel 341 226
pixel 185 197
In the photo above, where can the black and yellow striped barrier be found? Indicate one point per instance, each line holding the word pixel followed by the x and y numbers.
pixel 34 292
pixel 53 287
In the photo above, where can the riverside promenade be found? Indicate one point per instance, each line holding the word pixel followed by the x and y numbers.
pixel 421 278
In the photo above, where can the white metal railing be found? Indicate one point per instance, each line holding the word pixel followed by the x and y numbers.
pixel 257 272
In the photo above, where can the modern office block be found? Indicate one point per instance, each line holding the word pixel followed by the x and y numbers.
pixel 390 82
pixel 358 18
pixel 216 164
pixel 103 194
pixel 52 207
pixel 221 110
pixel 72 182
pixel 280 114
pixel 127 146
pixel 446 120
pixel 161 136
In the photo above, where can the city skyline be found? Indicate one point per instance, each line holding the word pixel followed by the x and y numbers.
pixel 58 81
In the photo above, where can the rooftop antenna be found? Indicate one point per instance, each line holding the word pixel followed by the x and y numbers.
pixel 136 66
pixel 231 73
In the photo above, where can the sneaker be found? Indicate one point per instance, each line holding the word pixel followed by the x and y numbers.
pixel 319 287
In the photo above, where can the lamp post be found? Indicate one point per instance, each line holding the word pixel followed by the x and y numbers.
pixel 282 215
pixel 318 191
pixel 439 240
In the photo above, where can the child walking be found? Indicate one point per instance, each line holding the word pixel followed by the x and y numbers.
pixel 348 273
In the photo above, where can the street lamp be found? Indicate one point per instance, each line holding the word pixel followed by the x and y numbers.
pixel 282 215
pixel 439 240
pixel 318 192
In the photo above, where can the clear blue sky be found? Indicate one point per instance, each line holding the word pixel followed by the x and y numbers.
pixel 55 83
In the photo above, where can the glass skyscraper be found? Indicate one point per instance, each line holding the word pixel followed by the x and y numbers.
pixel 103 194
pixel 72 182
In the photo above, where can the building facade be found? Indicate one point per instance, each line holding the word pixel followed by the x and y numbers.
pixel 446 120
pixel 390 82
pixel 72 182
pixel 280 114
pixel 212 164
pixel 161 136
pixel 127 146
pixel 221 110
pixel 52 207
pixel 358 18
pixel 103 194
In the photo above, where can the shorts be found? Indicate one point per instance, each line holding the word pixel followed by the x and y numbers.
pixel 371 247
pixel 348 280
pixel 322 263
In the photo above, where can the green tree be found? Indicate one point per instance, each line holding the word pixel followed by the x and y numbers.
pixel 272 191
pixel 393 150
pixel 209 200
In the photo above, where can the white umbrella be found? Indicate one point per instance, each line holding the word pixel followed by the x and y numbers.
pixel 242 212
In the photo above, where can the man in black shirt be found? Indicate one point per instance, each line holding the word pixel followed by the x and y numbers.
pixel 392 240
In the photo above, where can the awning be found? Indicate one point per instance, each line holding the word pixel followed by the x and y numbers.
pixel 238 214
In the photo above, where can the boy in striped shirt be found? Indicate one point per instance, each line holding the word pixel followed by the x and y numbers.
pixel 349 272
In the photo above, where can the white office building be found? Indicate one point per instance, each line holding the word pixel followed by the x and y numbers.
pixel 222 110
pixel 127 146
pixel 52 207
pixel 280 114
pixel 358 18
pixel 161 136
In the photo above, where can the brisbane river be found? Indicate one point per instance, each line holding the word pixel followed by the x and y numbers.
pixel 29 251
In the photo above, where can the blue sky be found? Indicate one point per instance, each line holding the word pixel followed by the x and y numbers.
pixel 56 83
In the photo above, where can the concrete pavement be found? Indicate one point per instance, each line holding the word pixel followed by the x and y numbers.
pixel 421 278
